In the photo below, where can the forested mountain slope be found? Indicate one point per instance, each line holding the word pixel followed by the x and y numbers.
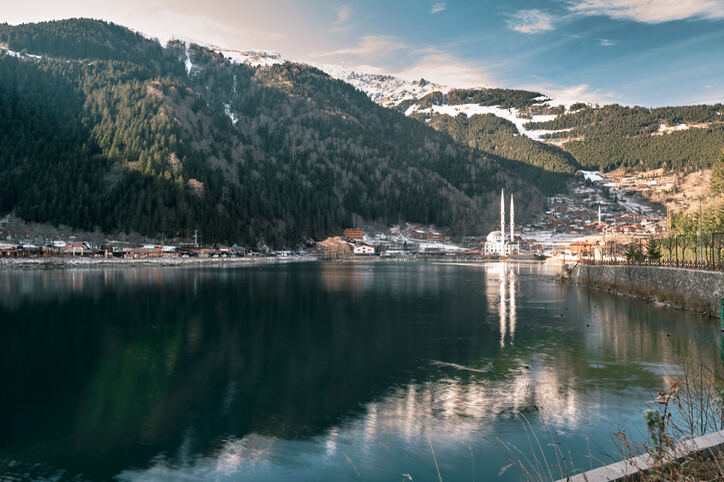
pixel 100 127
pixel 682 139
pixel 492 121
pixel 547 141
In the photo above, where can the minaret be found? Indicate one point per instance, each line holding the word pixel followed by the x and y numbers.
pixel 512 219
pixel 502 221
pixel 599 215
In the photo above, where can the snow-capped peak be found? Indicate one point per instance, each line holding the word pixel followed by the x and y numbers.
pixel 254 58
pixel 383 89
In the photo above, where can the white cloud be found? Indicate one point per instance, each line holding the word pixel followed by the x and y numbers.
pixel 344 14
pixel 368 45
pixel 650 11
pixel 604 42
pixel 438 7
pixel 445 69
pixel 531 21
pixel 576 93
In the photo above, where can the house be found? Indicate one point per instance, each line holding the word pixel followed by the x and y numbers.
pixel 8 250
pixel 362 249
pixel 239 250
pixel 353 233
pixel 77 248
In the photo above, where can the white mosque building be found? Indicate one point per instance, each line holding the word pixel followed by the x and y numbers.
pixel 498 242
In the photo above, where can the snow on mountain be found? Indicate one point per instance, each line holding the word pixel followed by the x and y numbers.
pixel 254 58
pixel 388 91
pixel 383 89
pixel 187 60
pixel 19 55
pixel 231 115
pixel 513 115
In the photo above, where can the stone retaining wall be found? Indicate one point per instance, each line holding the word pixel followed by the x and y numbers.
pixel 691 289
pixel 631 469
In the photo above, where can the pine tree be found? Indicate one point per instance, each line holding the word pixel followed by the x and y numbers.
pixel 634 253
pixel 653 251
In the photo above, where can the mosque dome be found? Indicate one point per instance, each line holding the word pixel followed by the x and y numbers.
pixel 495 237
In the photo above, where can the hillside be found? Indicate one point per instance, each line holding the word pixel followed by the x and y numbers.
pixel 580 136
pixel 680 139
pixel 493 122
pixel 101 128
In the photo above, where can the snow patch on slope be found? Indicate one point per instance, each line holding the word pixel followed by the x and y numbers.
pixel 231 115
pixel 19 55
pixel 663 128
pixel 187 61
pixel 593 176
pixel 513 115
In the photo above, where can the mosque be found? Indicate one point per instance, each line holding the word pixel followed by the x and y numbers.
pixel 498 243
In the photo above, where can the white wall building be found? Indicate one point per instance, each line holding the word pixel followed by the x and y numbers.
pixel 364 250
pixel 498 243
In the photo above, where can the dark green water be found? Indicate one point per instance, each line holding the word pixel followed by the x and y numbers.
pixel 320 371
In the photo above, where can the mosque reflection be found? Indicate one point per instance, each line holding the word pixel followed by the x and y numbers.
pixel 500 284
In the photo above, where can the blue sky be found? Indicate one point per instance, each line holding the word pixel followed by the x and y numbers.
pixel 644 52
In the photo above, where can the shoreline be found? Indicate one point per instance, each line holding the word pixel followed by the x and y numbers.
pixel 693 290
pixel 67 262
pixel 79 262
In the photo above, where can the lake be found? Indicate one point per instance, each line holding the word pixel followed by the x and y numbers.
pixel 322 371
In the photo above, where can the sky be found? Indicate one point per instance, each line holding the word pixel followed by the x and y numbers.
pixel 635 52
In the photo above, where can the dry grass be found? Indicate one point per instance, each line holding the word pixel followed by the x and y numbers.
pixel 691 407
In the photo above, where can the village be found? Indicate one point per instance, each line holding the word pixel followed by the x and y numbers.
pixel 595 213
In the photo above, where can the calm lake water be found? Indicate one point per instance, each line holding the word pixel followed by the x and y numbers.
pixel 320 371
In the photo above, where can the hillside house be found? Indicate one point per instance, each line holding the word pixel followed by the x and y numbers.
pixel 353 233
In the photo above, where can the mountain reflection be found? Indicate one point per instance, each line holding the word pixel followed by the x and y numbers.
pixel 267 371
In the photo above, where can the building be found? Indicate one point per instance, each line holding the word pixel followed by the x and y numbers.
pixel 498 243
pixel 362 249
pixel 352 233
pixel 77 248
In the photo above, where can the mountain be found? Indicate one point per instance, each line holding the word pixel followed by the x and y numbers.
pixel 494 121
pixel 681 139
pixel 102 128
pixel 568 138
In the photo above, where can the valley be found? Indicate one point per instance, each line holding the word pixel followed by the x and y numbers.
pixel 182 137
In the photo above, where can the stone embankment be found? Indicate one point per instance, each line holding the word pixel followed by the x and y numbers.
pixel 690 289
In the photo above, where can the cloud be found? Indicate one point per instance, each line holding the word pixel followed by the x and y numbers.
pixel 650 11
pixel 531 21
pixel 368 45
pixel 576 93
pixel 445 69
pixel 344 14
pixel 438 7
pixel 604 42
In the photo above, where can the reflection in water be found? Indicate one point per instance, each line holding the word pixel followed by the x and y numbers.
pixel 506 301
pixel 318 371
